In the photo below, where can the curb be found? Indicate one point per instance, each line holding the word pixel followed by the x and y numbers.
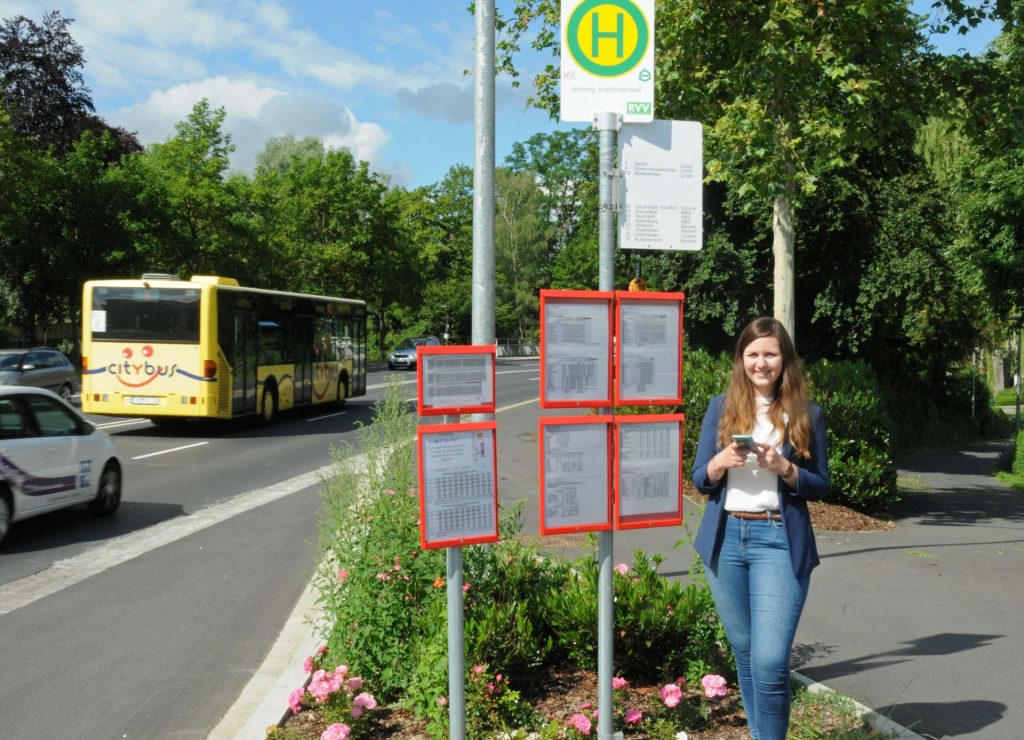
pixel 264 700
pixel 876 720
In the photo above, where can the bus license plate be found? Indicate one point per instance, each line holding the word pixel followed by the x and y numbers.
pixel 145 400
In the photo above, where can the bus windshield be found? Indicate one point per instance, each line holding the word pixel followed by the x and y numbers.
pixel 145 314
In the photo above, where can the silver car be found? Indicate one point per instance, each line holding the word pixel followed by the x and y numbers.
pixel 52 458
pixel 39 368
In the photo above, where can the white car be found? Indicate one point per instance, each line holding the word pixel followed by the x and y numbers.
pixel 52 458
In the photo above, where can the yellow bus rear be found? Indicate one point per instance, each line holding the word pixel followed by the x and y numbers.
pixel 166 349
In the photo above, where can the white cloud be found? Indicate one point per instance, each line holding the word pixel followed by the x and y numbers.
pixel 454 103
pixel 255 113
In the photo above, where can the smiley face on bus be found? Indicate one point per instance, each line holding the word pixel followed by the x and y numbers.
pixel 136 371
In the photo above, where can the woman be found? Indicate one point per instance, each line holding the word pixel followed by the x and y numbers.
pixel 756 539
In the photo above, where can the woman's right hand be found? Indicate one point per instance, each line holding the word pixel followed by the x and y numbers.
pixel 732 456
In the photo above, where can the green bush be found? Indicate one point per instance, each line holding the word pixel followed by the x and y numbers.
pixel 663 629
pixel 1006 397
pixel 860 430
pixel 1018 455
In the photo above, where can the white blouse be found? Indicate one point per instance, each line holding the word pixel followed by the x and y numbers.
pixel 750 487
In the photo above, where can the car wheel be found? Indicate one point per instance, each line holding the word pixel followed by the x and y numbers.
pixel 5 518
pixel 108 498
pixel 66 392
pixel 268 411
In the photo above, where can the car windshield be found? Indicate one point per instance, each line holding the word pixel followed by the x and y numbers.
pixel 10 360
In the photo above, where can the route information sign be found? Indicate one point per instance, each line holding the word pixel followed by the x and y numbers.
pixel 662 172
pixel 607 59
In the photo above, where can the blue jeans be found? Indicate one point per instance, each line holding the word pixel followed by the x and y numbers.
pixel 759 601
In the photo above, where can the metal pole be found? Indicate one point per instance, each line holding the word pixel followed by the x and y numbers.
pixel 483 177
pixel 607 125
pixel 456 648
pixel 483 325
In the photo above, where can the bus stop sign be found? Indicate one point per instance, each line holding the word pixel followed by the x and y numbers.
pixel 607 59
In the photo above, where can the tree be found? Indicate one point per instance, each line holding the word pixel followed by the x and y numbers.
pixel 186 176
pixel 787 90
pixel 42 87
pixel 522 233
pixel 279 152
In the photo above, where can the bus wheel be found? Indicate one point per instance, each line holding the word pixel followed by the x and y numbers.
pixel 342 392
pixel 269 409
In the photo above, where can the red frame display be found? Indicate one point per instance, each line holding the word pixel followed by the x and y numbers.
pixel 622 296
pixel 644 521
pixel 574 296
pixel 567 420
pixel 421 432
pixel 468 349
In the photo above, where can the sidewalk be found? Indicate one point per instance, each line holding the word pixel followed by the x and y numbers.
pixel 922 623
pixel 919 623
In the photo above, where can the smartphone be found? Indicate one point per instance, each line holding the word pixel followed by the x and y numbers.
pixel 745 440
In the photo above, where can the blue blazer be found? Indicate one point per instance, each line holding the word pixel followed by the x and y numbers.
pixel 812 484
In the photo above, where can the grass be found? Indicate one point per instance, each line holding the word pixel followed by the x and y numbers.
pixel 1016 482
pixel 827 714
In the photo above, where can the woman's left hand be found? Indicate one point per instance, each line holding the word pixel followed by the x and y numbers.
pixel 770 459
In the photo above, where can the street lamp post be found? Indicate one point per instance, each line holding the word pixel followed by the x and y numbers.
pixel 446 326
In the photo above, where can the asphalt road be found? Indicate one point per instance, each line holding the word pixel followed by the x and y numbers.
pixel 149 624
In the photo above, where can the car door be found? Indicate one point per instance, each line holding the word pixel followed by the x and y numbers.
pixel 24 457
pixel 68 473
pixel 37 372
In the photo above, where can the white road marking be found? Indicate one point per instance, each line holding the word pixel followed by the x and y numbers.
pixel 516 405
pixel 121 423
pixel 328 416
pixel 173 449
pixel 95 560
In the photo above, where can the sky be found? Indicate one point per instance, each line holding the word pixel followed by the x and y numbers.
pixel 385 78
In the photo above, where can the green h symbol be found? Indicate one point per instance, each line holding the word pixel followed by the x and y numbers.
pixel 618 34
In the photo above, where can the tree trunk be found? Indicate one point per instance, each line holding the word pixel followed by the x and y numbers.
pixel 785 273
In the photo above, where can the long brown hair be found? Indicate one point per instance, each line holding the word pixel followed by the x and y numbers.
pixel 789 397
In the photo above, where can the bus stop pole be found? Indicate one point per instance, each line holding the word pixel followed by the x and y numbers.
pixel 607 125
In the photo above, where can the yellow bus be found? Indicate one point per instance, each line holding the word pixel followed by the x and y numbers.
pixel 170 349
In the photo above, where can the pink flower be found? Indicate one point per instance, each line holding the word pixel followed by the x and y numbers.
pixel 411 491
pixel 622 569
pixel 714 686
pixel 396 567
pixel 342 670
pixel 618 682
pixel 337 731
pixel 466 587
pixel 320 650
pixel 365 700
pixel 478 669
pixel 342 575
pixel 633 716
pixel 354 684
pixel 307 664
pixel 670 694
pixel 389 491
pixel 581 723
pixel 586 705
pixel 295 700
pixel 442 701
pixel 357 712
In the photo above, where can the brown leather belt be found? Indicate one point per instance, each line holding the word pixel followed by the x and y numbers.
pixel 773 515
